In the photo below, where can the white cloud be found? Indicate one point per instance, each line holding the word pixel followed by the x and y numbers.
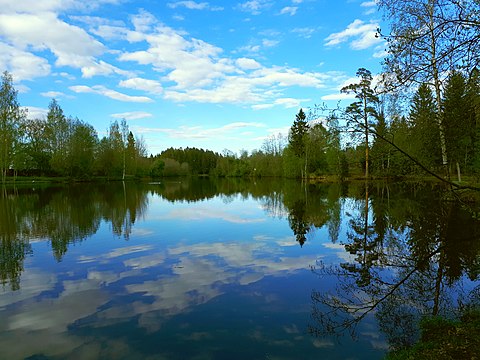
pixel 35 112
pixel 305 32
pixel 192 5
pixel 254 7
pixel 361 35
pixel 198 132
pixel 132 115
pixel 112 94
pixel 71 45
pixel 151 86
pixel 247 64
pixel 368 4
pixel 287 103
pixel 289 10
pixel 53 94
pixel 22 64
pixel 36 6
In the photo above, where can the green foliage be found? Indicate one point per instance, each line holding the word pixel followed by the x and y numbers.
pixel 425 136
pixel 445 339
pixel 459 125
pixel 361 114
pixel 298 131
pixel 11 116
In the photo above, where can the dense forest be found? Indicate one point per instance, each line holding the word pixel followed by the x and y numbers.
pixel 421 116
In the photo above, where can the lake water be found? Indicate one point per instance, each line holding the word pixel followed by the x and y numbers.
pixel 230 269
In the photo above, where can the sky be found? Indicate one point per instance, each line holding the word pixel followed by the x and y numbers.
pixel 208 74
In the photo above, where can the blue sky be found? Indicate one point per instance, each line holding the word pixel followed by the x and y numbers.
pixel 208 74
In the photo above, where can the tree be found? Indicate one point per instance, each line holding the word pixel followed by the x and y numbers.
pixel 11 117
pixel 58 133
pixel 82 147
pixel 35 145
pixel 457 128
pixel 429 38
pixel 424 131
pixel 124 132
pixel 297 138
pixel 361 113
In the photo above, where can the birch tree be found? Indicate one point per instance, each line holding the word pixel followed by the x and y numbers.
pixel 11 116
pixel 428 39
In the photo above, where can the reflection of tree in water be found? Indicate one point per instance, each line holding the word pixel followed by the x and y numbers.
pixel 311 207
pixel 63 215
pixel 408 261
pixel 298 223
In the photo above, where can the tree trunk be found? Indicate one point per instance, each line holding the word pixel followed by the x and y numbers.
pixel 438 90
pixel 365 118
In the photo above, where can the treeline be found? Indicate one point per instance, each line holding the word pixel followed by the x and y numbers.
pixel 60 145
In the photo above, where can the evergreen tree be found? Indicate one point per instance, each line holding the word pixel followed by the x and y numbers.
pixel 361 113
pixel 424 144
pixel 381 149
pixel 297 138
pixel 473 118
pixel 455 115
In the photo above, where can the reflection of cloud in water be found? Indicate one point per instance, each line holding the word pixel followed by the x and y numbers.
pixel 323 343
pixel 127 250
pixel 34 282
pixel 115 253
pixel 340 252
pixel 43 326
pixel 199 213
pixel 139 232
pixel 144 262
pixel 284 241
pixel 201 271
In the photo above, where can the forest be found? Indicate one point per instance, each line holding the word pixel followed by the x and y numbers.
pixel 421 116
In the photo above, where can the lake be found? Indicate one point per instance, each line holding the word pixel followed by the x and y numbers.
pixel 229 269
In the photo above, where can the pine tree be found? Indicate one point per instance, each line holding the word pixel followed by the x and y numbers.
pixel 424 130
pixel 297 137
pixel 457 130
pixel 361 113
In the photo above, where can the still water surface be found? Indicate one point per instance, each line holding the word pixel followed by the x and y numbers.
pixel 200 269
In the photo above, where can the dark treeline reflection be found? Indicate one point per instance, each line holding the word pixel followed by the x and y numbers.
pixel 63 216
pixel 412 255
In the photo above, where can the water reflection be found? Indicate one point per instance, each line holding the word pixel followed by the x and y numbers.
pixel 411 256
pixel 202 251
pixel 63 216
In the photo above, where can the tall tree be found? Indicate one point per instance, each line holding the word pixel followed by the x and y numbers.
pixel 10 118
pixel 58 131
pixel 427 39
pixel 424 131
pixel 82 147
pixel 473 119
pixel 297 138
pixel 361 113
pixel 455 116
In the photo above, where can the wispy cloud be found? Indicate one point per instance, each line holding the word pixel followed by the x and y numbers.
pixel 193 5
pixel 360 34
pixel 112 94
pixel 199 132
pixel 255 7
pixel 289 10
pixel 150 86
pixel 132 115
